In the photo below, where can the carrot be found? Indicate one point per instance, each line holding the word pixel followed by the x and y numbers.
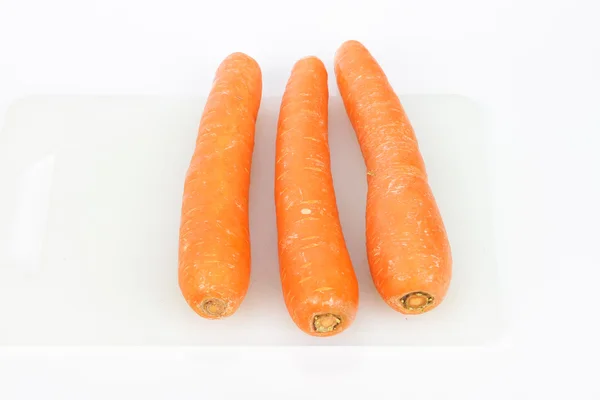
pixel 318 280
pixel 407 247
pixel 214 243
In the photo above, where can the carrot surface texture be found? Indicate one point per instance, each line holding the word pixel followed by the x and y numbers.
pixel 317 277
pixel 214 242
pixel 407 247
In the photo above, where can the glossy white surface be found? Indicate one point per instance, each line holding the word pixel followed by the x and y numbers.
pixel 93 192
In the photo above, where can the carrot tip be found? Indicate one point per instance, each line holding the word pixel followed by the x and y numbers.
pixel 416 301
pixel 213 307
pixel 324 323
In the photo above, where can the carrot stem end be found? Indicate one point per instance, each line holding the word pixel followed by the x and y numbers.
pixel 324 323
pixel 213 307
pixel 416 301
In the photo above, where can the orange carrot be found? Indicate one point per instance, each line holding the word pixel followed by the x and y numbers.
pixel 214 242
pixel 318 280
pixel 408 250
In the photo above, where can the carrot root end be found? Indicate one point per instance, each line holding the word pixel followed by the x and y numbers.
pixel 324 323
pixel 416 301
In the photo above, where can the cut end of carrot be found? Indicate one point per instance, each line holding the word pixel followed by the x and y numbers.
pixel 213 307
pixel 325 323
pixel 416 301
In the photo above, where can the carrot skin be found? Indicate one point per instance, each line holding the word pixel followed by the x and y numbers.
pixel 214 242
pixel 407 246
pixel 318 280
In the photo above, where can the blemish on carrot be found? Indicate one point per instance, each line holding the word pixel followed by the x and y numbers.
pixel 310 246
pixel 310 237
pixel 305 219
pixel 313 169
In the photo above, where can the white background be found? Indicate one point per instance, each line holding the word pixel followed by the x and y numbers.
pixel 533 64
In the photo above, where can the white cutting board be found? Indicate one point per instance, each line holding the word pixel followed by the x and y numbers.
pixel 89 215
